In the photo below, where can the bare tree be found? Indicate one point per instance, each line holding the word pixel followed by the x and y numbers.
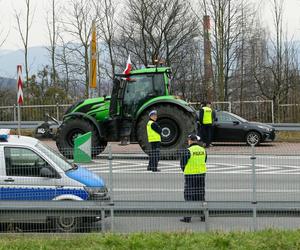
pixel 79 16
pixel 107 26
pixel 63 63
pixel 163 31
pixel 155 30
pixel 24 33
pixel 53 29
pixel 3 37
pixel 227 17
pixel 3 34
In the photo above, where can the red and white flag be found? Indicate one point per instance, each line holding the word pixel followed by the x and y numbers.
pixel 20 85
pixel 128 67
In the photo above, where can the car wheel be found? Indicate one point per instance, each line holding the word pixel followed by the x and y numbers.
pixel 67 224
pixel 253 138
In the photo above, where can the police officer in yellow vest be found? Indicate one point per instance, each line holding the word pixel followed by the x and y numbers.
pixel 206 119
pixel 193 165
pixel 154 138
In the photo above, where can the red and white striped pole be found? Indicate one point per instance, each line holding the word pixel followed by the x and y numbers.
pixel 19 96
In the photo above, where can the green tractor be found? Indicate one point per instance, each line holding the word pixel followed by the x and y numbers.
pixel 124 115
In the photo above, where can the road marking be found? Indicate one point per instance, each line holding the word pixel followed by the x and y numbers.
pixel 263 167
pixel 123 167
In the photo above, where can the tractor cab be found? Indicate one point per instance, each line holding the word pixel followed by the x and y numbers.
pixel 131 92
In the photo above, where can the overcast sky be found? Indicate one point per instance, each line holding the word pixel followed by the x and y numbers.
pixel 38 32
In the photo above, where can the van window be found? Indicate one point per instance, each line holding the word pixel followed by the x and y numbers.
pixel 23 162
pixel 56 157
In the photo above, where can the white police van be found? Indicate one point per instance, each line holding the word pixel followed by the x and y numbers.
pixel 30 170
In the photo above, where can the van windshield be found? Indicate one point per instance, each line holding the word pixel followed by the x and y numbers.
pixel 56 157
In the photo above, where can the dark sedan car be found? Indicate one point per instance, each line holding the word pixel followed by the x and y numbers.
pixel 229 127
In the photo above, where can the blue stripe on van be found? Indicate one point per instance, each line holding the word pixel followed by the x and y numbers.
pixel 86 177
pixel 39 193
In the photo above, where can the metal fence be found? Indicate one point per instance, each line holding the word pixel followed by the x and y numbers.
pixel 289 113
pixel 245 189
pixel 258 110
pixel 33 112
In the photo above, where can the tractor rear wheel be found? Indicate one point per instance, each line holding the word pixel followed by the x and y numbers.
pixel 176 124
pixel 72 128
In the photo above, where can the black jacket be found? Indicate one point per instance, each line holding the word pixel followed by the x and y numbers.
pixel 155 126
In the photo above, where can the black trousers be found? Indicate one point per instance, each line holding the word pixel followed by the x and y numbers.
pixel 154 155
pixel 194 189
pixel 199 130
pixel 206 132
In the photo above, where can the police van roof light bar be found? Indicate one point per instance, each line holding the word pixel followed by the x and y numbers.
pixel 4 134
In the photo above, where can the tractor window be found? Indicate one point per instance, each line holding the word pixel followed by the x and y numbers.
pixel 140 89
pixel 159 84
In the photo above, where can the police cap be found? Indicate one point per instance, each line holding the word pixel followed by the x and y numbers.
pixel 194 137
pixel 153 112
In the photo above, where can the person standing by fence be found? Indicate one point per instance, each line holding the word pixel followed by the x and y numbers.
pixel 154 138
pixel 193 165
pixel 198 123
pixel 206 118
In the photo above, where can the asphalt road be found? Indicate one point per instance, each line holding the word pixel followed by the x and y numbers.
pixel 229 178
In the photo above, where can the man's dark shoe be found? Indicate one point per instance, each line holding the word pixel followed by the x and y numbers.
pixel 186 220
pixel 155 170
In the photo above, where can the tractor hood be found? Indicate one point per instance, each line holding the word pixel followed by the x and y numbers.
pixel 84 106
pixel 95 107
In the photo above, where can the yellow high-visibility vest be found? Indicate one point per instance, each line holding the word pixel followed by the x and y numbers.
pixel 207 115
pixel 196 164
pixel 153 136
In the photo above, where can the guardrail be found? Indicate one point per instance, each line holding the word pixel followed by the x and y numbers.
pixel 286 126
pixel 40 211
pixel 24 124
pixel 33 211
pixel 34 124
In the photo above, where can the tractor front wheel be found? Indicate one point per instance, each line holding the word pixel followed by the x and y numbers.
pixel 72 128
pixel 176 124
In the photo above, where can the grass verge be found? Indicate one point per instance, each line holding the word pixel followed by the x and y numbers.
pixel 288 136
pixel 268 239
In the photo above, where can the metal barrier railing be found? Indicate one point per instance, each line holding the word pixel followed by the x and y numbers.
pixel 258 110
pixel 33 112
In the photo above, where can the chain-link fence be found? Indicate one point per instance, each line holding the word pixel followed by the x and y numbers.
pixel 116 191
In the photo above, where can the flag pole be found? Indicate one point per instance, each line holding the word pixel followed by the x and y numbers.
pixel 93 61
